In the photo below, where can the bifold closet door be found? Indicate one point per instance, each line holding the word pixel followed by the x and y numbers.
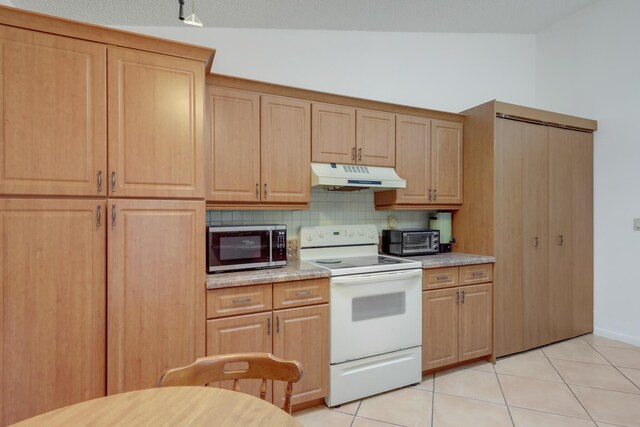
pixel 570 233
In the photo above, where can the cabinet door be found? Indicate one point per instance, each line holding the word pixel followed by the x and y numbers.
pixel 446 162
pixel 439 328
pixel 156 303
pixel 560 232
pixel 286 150
pixel 413 161
pixel 535 243
pixel 333 134
pixel 53 138
pixel 241 334
pixel 582 236
pixel 155 124
pixel 232 140
pixel 302 334
pixel 476 321
pixel 52 305
pixel 375 138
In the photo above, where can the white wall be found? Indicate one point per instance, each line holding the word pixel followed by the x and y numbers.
pixel 589 65
pixel 448 72
pixel 6 3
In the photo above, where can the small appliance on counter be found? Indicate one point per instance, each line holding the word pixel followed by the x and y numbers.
pixel 442 221
pixel 409 242
pixel 243 247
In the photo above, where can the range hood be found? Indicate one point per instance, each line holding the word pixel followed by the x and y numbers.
pixel 335 176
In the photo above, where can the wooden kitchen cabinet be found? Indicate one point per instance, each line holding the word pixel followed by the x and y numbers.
pixel 529 203
pixel 302 334
pixel 375 138
pixel 53 136
pixel 156 298
pixel 155 125
pixel 457 321
pixel 241 334
pixel 446 162
pixel 285 149
pixel 429 158
pixel 333 134
pixel 52 305
pixel 299 333
pixel 232 141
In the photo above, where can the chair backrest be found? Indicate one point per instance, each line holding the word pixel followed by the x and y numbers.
pixel 264 366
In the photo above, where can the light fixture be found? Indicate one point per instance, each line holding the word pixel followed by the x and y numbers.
pixel 191 19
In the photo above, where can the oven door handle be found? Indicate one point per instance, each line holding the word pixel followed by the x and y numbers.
pixel 376 277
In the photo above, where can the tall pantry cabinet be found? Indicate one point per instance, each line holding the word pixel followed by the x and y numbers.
pixel 77 177
pixel 529 202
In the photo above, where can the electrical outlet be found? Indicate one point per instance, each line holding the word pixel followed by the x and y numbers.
pixel 636 224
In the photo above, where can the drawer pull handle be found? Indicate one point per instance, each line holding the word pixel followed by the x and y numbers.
pixel 235 301
pixel 462 299
pixel 442 277
pixel 301 294
pixel 478 274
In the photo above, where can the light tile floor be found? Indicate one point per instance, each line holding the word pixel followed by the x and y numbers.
pixel 586 381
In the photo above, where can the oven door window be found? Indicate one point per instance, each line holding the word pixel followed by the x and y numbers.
pixel 416 240
pixel 376 306
pixel 245 247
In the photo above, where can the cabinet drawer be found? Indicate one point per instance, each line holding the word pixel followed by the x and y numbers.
pixel 299 293
pixel 240 300
pixel 479 273
pixel 436 278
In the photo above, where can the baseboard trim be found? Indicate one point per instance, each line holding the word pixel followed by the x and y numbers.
pixel 629 339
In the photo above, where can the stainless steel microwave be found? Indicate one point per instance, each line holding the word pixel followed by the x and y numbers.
pixel 410 242
pixel 246 247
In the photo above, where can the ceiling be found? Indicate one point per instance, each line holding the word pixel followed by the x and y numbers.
pixel 464 16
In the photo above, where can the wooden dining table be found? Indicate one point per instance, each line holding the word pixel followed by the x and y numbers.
pixel 168 406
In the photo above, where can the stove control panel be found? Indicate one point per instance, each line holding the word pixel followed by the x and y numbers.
pixel 338 235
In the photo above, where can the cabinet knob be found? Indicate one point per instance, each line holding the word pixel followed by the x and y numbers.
pixel 99 181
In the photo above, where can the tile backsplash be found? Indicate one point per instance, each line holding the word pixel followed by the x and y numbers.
pixel 327 208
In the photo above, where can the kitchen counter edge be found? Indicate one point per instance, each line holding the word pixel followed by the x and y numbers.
pixel 452 259
pixel 294 270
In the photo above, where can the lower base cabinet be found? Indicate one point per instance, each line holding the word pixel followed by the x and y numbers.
pixel 299 333
pixel 457 322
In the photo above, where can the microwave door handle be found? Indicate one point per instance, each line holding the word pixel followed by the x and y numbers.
pixel 270 245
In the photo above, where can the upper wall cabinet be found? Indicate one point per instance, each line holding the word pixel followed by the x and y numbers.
pixel 430 160
pixel 232 141
pixel 155 125
pixel 258 149
pixel 352 136
pixel 53 105
pixel 285 149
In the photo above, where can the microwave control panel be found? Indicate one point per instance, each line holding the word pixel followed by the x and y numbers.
pixel 279 245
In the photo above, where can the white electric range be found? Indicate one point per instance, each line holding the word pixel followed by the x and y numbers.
pixel 375 311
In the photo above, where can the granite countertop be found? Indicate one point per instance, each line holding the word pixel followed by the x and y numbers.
pixel 294 270
pixel 451 259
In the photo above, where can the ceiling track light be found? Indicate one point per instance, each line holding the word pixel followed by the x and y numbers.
pixel 191 19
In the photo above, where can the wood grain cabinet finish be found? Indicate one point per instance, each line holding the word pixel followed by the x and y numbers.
pixel 156 298
pixel 52 305
pixel 375 138
pixel 446 162
pixel 238 300
pixel 440 326
pixel 232 142
pixel 436 278
pixel 429 158
pixel 285 149
pixel 302 334
pixel 300 292
pixel 333 134
pixel 155 125
pixel 529 203
pixel 457 319
pixel 241 334
pixel 53 136
pixel 476 321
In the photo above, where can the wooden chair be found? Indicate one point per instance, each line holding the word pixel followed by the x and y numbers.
pixel 264 366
